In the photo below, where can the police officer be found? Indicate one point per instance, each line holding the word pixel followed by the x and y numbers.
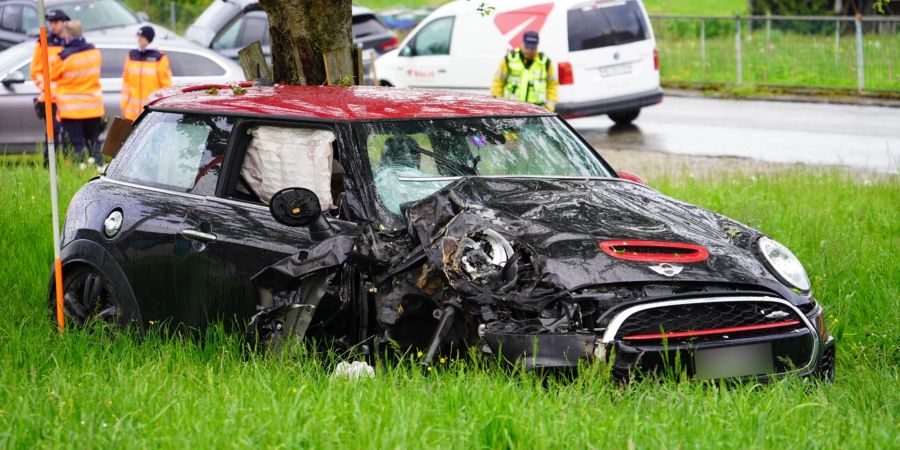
pixel 57 19
pixel 526 75
pixel 146 70
pixel 79 96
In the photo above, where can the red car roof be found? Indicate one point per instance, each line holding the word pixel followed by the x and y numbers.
pixel 337 102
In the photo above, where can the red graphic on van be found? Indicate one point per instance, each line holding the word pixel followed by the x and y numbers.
pixel 514 24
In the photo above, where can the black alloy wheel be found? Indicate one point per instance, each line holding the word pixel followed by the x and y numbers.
pixel 88 298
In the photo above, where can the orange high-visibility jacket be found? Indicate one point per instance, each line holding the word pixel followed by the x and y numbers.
pixel 77 76
pixel 145 71
pixel 54 46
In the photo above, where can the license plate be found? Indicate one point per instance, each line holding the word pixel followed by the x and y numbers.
pixel 739 361
pixel 611 71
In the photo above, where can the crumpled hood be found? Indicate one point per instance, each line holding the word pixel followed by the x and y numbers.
pixel 563 222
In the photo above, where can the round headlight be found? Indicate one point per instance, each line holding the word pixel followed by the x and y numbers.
pixel 783 263
pixel 483 255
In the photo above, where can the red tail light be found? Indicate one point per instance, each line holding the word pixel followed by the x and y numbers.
pixel 655 59
pixel 565 73
pixel 389 44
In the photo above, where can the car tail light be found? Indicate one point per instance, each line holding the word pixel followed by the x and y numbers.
pixel 389 44
pixel 656 59
pixel 565 73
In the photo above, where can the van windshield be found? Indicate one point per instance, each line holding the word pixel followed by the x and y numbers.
pixel 602 24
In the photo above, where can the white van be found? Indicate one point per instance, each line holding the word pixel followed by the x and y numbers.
pixel 604 52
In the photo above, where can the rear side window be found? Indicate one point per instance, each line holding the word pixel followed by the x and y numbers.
pixel 29 19
pixel 179 152
pixel 113 62
pixel 190 65
pixel 367 25
pixel 601 24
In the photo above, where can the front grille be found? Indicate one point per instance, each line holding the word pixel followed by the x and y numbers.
pixel 702 321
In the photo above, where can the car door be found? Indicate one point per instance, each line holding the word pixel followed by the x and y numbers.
pixel 241 236
pixel 20 128
pixel 168 167
pixel 425 60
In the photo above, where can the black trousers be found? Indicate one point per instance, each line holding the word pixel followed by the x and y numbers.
pixel 40 112
pixel 81 134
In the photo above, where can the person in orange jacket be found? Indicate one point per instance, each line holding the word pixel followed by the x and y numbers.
pixel 146 70
pixel 78 94
pixel 57 19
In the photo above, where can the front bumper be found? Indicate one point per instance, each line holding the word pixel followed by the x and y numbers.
pixel 803 350
pixel 611 105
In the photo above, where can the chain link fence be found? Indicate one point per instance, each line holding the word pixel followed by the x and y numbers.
pixel 782 51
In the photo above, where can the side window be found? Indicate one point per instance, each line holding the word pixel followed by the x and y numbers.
pixel 179 152
pixel 113 62
pixel 192 65
pixel 256 28
pixel 11 19
pixel 229 37
pixel 434 38
pixel 29 19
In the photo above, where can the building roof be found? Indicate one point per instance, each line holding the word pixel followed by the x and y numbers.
pixel 337 102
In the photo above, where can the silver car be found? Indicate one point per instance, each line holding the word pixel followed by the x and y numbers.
pixel 20 129
pixel 110 18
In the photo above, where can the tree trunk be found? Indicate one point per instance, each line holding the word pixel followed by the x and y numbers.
pixel 301 32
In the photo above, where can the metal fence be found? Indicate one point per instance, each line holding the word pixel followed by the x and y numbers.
pixel 787 51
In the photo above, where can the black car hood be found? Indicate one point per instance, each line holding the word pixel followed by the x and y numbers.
pixel 563 222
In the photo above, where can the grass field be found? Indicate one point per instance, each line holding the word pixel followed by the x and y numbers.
pixel 85 390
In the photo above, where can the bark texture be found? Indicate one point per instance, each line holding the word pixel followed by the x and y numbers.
pixel 301 32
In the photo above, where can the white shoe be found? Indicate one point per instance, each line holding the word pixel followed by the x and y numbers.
pixel 91 160
pixel 82 166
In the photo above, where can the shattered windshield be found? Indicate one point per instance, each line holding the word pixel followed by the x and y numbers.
pixel 412 159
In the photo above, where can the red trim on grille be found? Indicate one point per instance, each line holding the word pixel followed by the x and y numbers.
pixel 671 252
pixel 682 334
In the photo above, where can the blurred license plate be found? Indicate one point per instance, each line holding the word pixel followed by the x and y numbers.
pixel 727 362
pixel 611 71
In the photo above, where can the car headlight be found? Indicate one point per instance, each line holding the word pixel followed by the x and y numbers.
pixel 783 264
pixel 483 255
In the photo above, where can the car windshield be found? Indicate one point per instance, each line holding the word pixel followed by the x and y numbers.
pixel 99 14
pixel 412 159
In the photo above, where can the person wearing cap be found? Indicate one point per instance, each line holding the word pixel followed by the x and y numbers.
pixel 78 95
pixel 526 74
pixel 146 70
pixel 57 19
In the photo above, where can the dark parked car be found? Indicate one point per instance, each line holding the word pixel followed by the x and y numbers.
pixel 108 18
pixel 383 219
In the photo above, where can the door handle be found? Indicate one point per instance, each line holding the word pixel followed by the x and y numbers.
pixel 197 235
pixel 442 71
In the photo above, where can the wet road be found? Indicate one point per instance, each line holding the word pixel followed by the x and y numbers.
pixel 865 137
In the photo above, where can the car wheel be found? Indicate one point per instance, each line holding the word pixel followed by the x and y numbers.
pixel 88 298
pixel 624 117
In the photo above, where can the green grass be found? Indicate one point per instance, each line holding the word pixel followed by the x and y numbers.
pixel 696 7
pixel 784 58
pixel 84 390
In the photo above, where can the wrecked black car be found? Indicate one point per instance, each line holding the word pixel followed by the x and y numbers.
pixel 385 220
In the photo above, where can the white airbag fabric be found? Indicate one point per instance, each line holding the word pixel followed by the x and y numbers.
pixel 279 158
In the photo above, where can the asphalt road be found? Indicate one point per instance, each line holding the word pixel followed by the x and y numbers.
pixel 865 137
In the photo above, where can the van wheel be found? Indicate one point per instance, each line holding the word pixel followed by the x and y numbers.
pixel 624 117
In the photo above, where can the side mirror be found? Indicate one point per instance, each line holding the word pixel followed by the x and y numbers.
pixel 143 16
pixel 407 51
pixel 13 78
pixel 631 177
pixel 299 207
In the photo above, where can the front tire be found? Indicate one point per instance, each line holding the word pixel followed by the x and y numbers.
pixel 88 298
pixel 625 117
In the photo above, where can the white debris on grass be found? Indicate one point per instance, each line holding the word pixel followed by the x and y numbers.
pixel 353 371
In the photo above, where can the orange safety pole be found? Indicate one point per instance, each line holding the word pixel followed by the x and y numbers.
pixel 51 156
